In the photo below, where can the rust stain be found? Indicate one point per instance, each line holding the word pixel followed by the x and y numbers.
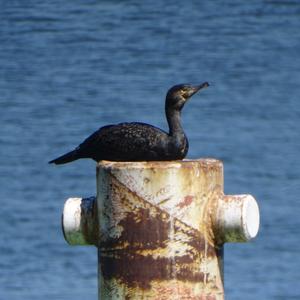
pixel 90 227
pixel 140 230
pixel 182 291
pixel 139 240
pixel 186 201
pixel 136 207
pixel 145 226
pixel 138 271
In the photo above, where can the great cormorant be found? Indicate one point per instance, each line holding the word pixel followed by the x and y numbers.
pixel 139 141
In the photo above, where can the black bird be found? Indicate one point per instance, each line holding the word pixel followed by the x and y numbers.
pixel 139 141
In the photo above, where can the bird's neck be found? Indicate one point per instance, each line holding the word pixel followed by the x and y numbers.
pixel 174 122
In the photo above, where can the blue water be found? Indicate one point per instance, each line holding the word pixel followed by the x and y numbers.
pixel 69 67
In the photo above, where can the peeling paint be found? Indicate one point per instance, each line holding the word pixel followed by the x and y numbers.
pixel 160 228
pixel 151 237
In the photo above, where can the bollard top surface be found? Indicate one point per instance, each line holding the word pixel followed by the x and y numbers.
pixel 205 162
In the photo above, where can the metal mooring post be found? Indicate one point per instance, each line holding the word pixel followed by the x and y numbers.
pixel 160 228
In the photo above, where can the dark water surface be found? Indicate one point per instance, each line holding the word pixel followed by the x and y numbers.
pixel 69 67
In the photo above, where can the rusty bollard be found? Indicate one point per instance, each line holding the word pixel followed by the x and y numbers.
pixel 160 228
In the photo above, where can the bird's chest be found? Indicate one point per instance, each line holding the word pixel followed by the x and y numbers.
pixel 178 146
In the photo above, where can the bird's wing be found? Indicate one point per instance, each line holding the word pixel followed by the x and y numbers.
pixel 122 141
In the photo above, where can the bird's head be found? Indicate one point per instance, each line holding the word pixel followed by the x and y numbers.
pixel 178 95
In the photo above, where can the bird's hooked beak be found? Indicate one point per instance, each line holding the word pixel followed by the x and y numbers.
pixel 194 89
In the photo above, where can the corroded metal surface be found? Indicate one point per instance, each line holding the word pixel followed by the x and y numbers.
pixel 160 228
pixel 156 239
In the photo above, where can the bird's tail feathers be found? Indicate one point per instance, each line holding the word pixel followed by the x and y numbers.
pixel 68 157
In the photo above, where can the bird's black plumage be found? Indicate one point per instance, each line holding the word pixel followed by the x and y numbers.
pixel 139 141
